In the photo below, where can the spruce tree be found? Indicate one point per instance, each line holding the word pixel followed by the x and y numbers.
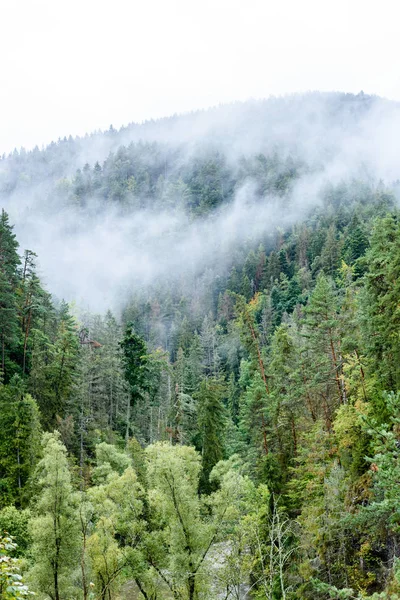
pixel 135 367
pixel 321 332
pixel 211 422
pixel 9 329
pixel 20 442
pixel 380 301
pixel 9 262
pixel 60 361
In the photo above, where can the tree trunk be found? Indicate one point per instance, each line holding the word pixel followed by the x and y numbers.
pixel 336 368
pixel 83 569
pixel 19 469
pixel 264 378
pixel 56 590
pixel 128 418
pixel 2 355
pixel 26 340
pixel 191 586
pixel 142 590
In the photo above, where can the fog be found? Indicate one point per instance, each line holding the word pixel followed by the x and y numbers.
pixel 100 264
pixel 97 254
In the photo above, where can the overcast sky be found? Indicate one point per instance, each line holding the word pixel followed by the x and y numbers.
pixel 73 66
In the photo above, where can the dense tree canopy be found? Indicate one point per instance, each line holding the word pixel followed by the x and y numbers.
pixel 233 433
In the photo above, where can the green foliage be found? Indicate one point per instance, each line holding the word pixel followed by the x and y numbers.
pixel 16 523
pixel 380 300
pixel 135 361
pixel 55 523
pixel 12 585
pixel 211 423
pixel 53 370
pixel 109 460
pixel 257 400
pixel 20 442
pixel 117 504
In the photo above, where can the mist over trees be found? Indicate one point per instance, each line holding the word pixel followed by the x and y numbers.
pixel 213 410
pixel 119 209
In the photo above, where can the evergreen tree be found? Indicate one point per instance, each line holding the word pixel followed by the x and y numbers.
pixel 208 339
pixel 250 336
pixel 54 364
pixel 211 422
pixel 20 442
pixel 111 371
pixel 380 304
pixel 322 348
pixel 33 303
pixel 9 329
pixel 286 388
pixel 195 361
pixel 135 367
pixel 330 255
pixel 9 258
pixel 356 242
pixel 9 262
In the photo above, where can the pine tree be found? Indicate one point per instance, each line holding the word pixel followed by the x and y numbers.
pixel 183 408
pixel 9 262
pixel 285 382
pixel 20 441
pixel 194 363
pixel 250 336
pixel 9 329
pixel 33 303
pixel 211 422
pixel 60 371
pixel 321 355
pixel 112 372
pixel 356 242
pixel 330 255
pixel 380 302
pixel 9 258
pixel 208 339
pixel 135 366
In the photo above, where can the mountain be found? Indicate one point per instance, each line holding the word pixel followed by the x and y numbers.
pixel 215 413
pixel 216 175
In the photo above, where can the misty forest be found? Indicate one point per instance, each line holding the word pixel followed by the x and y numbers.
pixel 200 346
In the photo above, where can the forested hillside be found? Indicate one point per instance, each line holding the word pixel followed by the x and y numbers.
pixel 213 412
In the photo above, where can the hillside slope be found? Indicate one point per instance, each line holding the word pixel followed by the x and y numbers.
pixel 241 406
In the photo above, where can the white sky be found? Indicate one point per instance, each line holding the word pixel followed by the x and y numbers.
pixel 72 66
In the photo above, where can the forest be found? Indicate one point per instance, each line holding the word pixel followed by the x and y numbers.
pixel 226 424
